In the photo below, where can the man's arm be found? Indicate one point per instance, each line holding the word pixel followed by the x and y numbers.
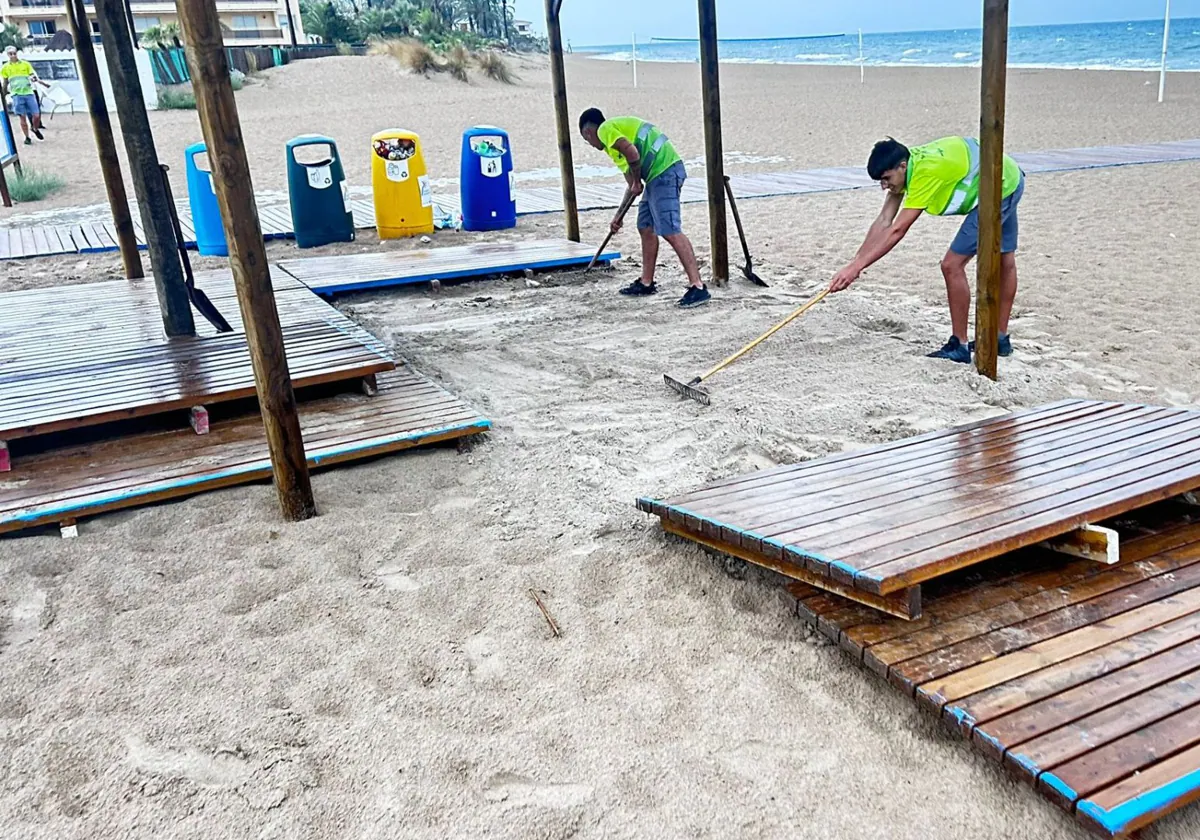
pixel 634 175
pixel 891 206
pixel 877 245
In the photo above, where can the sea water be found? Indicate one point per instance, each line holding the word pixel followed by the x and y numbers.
pixel 1131 45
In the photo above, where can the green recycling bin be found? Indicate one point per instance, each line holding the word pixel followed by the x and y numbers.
pixel 317 189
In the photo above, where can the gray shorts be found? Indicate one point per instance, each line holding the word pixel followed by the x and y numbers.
pixel 25 105
pixel 966 243
pixel 659 207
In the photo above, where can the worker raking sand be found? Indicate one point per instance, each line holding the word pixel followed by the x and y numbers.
pixel 942 178
pixel 653 167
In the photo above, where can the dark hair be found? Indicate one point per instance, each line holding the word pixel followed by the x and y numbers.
pixel 887 155
pixel 592 116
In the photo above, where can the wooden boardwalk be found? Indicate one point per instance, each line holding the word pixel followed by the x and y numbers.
pixel 359 272
pixel 46 240
pixel 74 356
pixel 65 484
pixel 875 525
pixel 1082 680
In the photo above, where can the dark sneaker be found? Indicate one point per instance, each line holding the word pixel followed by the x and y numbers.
pixel 954 350
pixel 1005 344
pixel 37 132
pixel 639 289
pixel 695 297
pixel 28 142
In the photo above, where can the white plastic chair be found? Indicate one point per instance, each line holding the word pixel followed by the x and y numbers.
pixel 57 98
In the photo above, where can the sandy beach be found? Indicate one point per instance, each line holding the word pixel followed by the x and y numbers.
pixel 200 669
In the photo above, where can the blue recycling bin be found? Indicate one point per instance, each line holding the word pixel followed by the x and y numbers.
pixel 206 211
pixel 320 200
pixel 486 180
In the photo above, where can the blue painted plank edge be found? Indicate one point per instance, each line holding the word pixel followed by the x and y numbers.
pixel 565 262
pixel 127 498
pixel 1151 802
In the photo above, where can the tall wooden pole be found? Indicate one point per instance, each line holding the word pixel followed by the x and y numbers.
pixel 558 80
pixel 287 5
pixel 714 151
pixel 143 163
pixel 106 147
pixel 991 180
pixel 247 254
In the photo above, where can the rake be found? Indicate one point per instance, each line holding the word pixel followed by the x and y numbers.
pixel 692 391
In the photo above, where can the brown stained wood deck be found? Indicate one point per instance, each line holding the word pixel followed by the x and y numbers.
pixel 892 517
pixel 71 483
pixel 1083 680
pixel 74 356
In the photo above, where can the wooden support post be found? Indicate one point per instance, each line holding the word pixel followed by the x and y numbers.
pixel 991 174
pixel 247 254
pixel 370 385
pixel 714 151
pixel 287 8
pixel 1192 499
pixel 198 419
pixel 106 147
pixel 1091 542
pixel 143 163
pixel 558 81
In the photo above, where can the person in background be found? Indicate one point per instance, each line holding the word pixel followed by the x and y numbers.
pixel 942 178
pixel 17 78
pixel 654 170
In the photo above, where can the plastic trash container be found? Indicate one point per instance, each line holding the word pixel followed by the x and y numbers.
pixel 486 180
pixel 317 190
pixel 403 200
pixel 206 210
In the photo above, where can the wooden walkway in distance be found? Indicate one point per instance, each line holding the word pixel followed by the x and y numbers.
pixel 65 484
pixel 74 356
pixel 1083 680
pixel 359 272
pixel 19 242
pixel 875 525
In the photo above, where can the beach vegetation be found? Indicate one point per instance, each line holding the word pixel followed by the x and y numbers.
pixel 31 184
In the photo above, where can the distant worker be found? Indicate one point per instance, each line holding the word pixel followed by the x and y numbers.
pixel 18 78
pixel 942 178
pixel 653 167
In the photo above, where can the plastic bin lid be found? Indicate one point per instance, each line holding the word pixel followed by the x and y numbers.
pixel 401 133
pixel 310 140
pixel 195 149
pixel 476 130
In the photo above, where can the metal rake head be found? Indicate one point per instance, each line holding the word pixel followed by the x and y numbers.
pixel 688 389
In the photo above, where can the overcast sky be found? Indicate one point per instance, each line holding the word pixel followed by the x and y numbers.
pixel 613 21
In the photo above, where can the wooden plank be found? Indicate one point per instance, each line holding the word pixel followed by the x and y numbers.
pixel 1138 801
pixel 1091 542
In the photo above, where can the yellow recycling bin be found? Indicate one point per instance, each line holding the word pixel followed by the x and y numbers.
pixel 403 200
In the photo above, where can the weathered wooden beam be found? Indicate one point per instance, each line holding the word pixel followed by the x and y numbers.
pixel 562 119
pixel 991 179
pixel 247 254
pixel 143 162
pixel 1091 542
pixel 106 146
pixel 714 148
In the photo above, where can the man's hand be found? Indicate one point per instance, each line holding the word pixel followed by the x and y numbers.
pixel 636 187
pixel 844 278
pixel 615 227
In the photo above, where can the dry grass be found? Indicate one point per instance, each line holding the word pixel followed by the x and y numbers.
pixel 457 62
pixel 410 53
pixel 495 67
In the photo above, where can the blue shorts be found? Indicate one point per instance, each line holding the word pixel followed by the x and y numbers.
pixel 25 105
pixel 659 207
pixel 966 243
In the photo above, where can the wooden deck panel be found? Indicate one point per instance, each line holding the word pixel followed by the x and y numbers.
pixel 1101 714
pixel 73 356
pixel 143 469
pixel 895 516
pixel 276 221
pixel 358 272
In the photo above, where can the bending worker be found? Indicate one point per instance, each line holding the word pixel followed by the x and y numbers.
pixel 653 167
pixel 942 178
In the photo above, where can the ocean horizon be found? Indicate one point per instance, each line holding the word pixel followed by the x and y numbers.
pixel 1125 45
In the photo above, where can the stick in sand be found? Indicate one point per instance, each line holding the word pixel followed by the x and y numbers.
pixel 546 614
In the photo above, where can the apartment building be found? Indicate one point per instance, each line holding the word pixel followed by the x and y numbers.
pixel 245 22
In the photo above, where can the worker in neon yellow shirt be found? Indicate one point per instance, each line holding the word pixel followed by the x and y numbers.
pixel 942 178
pixel 653 170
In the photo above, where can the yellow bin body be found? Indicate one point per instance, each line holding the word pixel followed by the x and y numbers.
pixel 403 200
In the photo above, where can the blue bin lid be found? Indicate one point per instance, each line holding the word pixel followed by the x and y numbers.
pixel 195 149
pixel 477 130
pixel 310 140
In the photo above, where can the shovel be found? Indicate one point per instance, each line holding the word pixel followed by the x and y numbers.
pixel 199 300
pixel 748 268
pixel 626 203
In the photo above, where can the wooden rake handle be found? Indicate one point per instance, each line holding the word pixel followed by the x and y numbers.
pixel 796 314
pixel 626 203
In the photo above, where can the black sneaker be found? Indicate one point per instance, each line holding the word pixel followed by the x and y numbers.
pixel 1005 345
pixel 639 289
pixel 28 142
pixel 695 297
pixel 954 350
pixel 37 132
